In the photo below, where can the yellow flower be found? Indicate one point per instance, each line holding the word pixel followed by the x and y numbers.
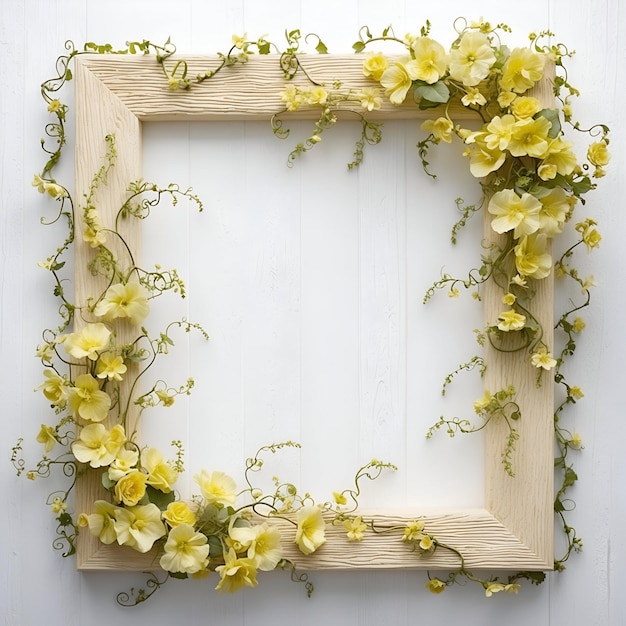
pixel 576 392
pixel 413 530
pixel 512 588
pixel 560 156
pixel 494 588
pixel 310 529
pixel 532 258
pixel 239 42
pixel 440 129
pixel 179 513
pixel 47 437
pixel 101 521
pixel 374 65
pixel 576 441
pixel 160 475
pixel 340 499
pixel 87 400
pixel 555 209
pixel 97 446
pixel 370 98
pixel 547 171
pixel 125 460
pixel 522 70
pixel 578 325
pixel 110 366
pixel 291 97
pixel 139 526
pixel 509 298
pixel 262 544
pixel 499 132
pixel 216 487
pixel 93 338
pixel 511 320
pixel 525 107
pixel 427 544
pixel 530 137
pixel 94 236
pixel 58 506
pixel 55 388
pixel 598 154
pixel 482 403
pixel 473 96
pixel 40 183
pixel 131 487
pixel 124 300
pixel 431 60
pixel 185 551
pixel 45 352
pixel 505 98
pixel 236 573
pixel 472 59
pixel 165 397
pixel 435 585
pixel 484 160
pixel 590 235
pixel 316 95
pixel 54 105
pixel 543 359
pixel 355 528
pixel 512 212
pixel 397 80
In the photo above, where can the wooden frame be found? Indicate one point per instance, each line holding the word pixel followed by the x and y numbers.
pixel 114 95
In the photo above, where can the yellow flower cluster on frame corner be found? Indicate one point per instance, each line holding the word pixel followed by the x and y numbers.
pixel 531 183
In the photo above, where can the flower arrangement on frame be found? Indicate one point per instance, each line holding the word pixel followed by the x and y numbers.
pixel 531 180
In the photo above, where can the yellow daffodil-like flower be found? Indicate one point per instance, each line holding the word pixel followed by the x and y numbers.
pixel 87 401
pixel 355 528
pixel 97 446
pixel 124 300
pixel 216 487
pixel 178 513
pixel 413 530
pixel 441 128
pixel 431 59
pixel 427 544
pixel 482 403
pixel 512 212
pixel 530 137
pixel 397 80
pixel 532 258
pixel 124 462
pixel 374 65
pixel 91 340
pixel 473 96
pixel 555 208
pixel 522 70
pixel 236 573
pixel 590 235
pixel 511 320
pixel 186 551
pixel 598 154
pixel 161 475
pixel 316 95
pixel 131 487
pixel 110 366
pixel 339 498
pixel 472 59
pixel 47 437
pixel 484 160
pixel 499 132
pixel 435 585
pixel 139 526
pixel 525 107
pixel 261 543
pixel 101 521
pixel 310 530
pixel 543 359
pixel 370 98
pixel 55 388
pixel 494 588
pixel 559 156
pixel 291 97
pixel 576 392
pixel 54 105
pixel 578 325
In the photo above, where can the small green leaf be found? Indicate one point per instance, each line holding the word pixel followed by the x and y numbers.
pixel 358 46
pixel 437 93
pixel 179 575
pixel 159 498
pixel 552 115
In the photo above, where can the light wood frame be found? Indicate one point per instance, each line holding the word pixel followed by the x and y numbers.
pixel 515 530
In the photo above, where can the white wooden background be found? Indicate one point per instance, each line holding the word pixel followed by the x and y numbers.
pixel 309 281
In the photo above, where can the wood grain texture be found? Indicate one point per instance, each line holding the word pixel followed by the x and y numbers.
pixel 114 95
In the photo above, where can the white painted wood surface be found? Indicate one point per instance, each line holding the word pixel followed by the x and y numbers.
pixel 31 34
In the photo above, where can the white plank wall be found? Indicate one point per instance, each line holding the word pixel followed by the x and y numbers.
pixel 309 280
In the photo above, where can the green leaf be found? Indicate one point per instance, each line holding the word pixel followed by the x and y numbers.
pixel 358 46
pixel 321 48
pixel 159 498
pixel 438 92
pixel 582 186
pixel 179 575
pixel 215 546
pixel 107 483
